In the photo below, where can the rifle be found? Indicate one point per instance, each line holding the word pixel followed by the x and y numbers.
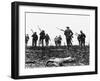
pixel 32 31
pixel 39 28
pixel 60 29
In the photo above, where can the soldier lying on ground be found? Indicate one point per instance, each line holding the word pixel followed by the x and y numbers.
pixel 59 61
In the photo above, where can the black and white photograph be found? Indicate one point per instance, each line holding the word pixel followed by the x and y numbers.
pixel 54 39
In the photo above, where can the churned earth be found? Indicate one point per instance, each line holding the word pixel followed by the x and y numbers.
pixel 36 57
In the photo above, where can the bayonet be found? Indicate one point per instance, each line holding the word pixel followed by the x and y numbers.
pixel 32 31
pixel 39 28
pixel 60 29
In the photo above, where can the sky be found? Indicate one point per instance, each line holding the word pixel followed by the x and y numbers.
pixel 50 23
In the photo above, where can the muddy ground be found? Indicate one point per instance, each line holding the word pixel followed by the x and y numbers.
pixel 38 56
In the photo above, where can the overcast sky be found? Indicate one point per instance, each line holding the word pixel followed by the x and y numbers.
pixel 49 22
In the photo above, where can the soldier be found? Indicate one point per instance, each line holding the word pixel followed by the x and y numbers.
pixel 55 40
pixel 68 33
pixel 71 40
pixel 42 37
pixel 26 39
pixel 59 40
pixel 79 40
pixel 82 38
pixel 34 39
pixel 47 38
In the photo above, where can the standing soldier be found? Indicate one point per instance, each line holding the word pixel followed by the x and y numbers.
pixel 82 38
pixel 71 40
pixel 34 39
pixel 79 39
pixel 42 37
pixel 59 40
pixel 26 39
pixel 55 40
pixel 47 38
pixel 68 34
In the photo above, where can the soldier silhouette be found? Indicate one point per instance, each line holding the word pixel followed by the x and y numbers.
pixel 34 39
pixel 42 37
pixel 59 40
pixel 47 38
pixel 68 34
pixel 79 39
pixel 82 38
pixel 55 40
pixel 26 39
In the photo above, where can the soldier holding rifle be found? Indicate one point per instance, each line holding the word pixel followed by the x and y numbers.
pixel 56 41
pixel 68 34
pixel 59 40
pixel 34 38
pixel 47 38
pixel 78 38
pixel 82 38
pixel 42 36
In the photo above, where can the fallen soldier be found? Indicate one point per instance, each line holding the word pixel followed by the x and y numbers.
pixel 59 61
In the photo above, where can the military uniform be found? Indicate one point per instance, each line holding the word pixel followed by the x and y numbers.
pixel 79 39
pixel 56 39
pixel 82 38
pixel 68 33
pixel 59 40
pixel 47 38
pixel 34 39
pixel 42 37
